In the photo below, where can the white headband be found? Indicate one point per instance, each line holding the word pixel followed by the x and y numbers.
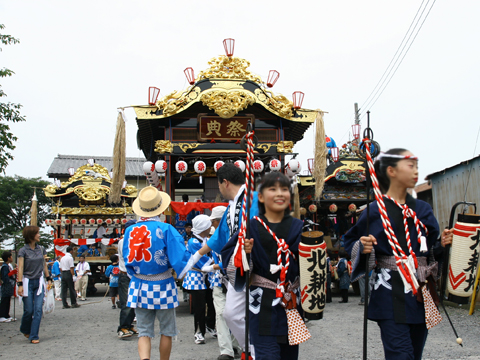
pixel 394 156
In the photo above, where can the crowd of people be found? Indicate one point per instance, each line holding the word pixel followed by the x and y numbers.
pixel 206 256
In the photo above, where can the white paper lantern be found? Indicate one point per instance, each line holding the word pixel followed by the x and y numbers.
pixel 275 165
pixel 148 167
pixel 74 221
pixel 58 222
pixel 124 221
pixel 108 221
pixel 83 221
pixel 181 167
pixel 116 221
pixel 240 164
pixel 294 166
pixel 67 221
pixel 200 167
pixel 289 173
pixel 258 166
pixel 99 221
pixel 218 165
pixel 161 166
pixel 91 221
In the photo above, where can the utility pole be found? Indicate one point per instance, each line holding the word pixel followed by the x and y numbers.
pixel 357 114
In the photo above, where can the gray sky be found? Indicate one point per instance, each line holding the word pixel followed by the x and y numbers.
pixel 78 61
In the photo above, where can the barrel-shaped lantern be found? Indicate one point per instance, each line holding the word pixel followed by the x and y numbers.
pixel 464 256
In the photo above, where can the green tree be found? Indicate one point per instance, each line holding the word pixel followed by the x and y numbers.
pixel 9 112
pixel 16 195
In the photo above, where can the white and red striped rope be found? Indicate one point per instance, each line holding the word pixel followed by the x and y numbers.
pixel 406 264
pixel 282 246
pixel 240 258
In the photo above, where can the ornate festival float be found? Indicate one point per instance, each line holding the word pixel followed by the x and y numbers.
pixel 80 206
pixel 186 136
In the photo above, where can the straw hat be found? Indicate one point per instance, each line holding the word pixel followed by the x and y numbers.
pixel 151 202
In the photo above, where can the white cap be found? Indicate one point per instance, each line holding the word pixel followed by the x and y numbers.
pixel 217 212
pixel 200 224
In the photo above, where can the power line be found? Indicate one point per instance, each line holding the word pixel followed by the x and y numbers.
pixel 394 68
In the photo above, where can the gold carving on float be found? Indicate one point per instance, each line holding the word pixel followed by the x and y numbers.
pixel 277 103
pixel 225 67
pixel 187 146
pixel 131 190
pixel 91 191
pixel 175 101
pixel 163 146
pixel 265 146
pixel 227 104
pixel 92 210
pixel 285 146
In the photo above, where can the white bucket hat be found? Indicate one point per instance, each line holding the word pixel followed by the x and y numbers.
pixel 217 212
pixel 151 202
pixel 200 224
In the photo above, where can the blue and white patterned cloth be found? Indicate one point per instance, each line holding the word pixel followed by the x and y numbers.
pixel 214 279
pixel 194 280
pixel 151 248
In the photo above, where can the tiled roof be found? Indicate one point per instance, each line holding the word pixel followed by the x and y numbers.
pixel 61 163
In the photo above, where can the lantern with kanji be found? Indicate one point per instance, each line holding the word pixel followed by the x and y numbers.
pixel 272 78
pixel 297 99
pixel 333 208
pixel 116 221
pixel 181 167
pixel 312 208
pixel 161 166
pixel 91 221
pixel 303 211
pixel 83 221
pixel 99 221
pixel 240 164
pixel 294 166
pixel 199 167
pixel 153 93
pixel 289 173
pixel 218 164
pixel 58 222
pixel 74 221
pixel 352 207
pixel 275 165
pixel 229 45
pixel 67 221
pixel 258 166
pixel 124 221
pixel 48 221
pixel 190 75
pixel 108 221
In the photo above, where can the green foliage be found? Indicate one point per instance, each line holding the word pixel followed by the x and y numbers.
pixel 8 112
pixel 15 203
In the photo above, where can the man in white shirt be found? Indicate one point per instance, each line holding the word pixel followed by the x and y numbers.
pixel 83 270
pixel 67 266
pixel 101 231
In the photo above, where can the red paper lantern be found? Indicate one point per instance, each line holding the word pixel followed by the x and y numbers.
pixel 333 208
pixel 190 75
pixel 153 93
pixel 356 131
pixel 334 153
pixel 273 76
pixel 297 99
pixel 312 208
pixel 352 207
pixel 229 45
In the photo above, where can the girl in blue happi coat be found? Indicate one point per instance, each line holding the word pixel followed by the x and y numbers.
pixel 399 314
pixel 272 283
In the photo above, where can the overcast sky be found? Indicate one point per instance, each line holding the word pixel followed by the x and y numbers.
pixel 78 61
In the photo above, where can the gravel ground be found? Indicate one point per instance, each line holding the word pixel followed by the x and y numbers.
pixel 90 333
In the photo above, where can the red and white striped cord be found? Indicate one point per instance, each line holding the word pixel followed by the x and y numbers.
pixel 406 269
pixel 282 246
pixel 240 257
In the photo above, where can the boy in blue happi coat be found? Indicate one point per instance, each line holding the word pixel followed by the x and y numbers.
pixel 151 249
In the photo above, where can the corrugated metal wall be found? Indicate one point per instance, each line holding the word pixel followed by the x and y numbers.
pixel 448 188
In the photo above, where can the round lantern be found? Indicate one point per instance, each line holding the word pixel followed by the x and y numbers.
pixel 218 165
pixel 333 208
pixel 289 173
pixel 303 211
pixel 258 166
pixel 240 164
pixel 116 221
pixel 181 167
pixel 47 221
pixel 74 221
pixel 352 207
pixel 99 221
pixel 124 221
pixel 67 221
pixel 83 221
pixel 108 221
pixel 92 221
pixel 200 167
pixel 161 166
pixel 275 165
pixel 294 166
pixel 58 222
pixel 312 208
pixel 148 167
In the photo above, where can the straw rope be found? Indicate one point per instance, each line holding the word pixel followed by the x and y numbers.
pixel 320 160
pixel 118 160
pixel 296 202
